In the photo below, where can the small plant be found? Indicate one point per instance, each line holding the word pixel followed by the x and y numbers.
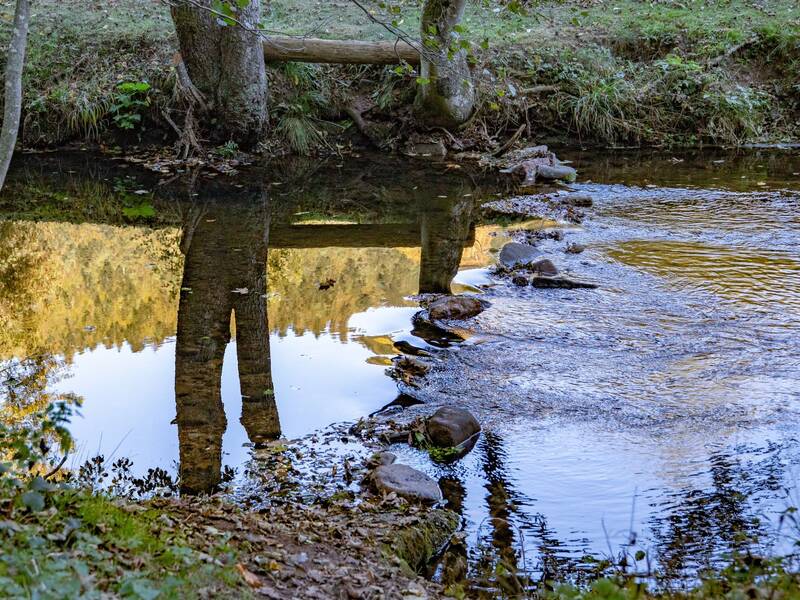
pixel 130 98
pixel 33 434
pixel 227 150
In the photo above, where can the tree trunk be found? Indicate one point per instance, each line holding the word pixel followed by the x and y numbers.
pixel 448 96
pixel 226 63
pixel 13 90
pixel 349 52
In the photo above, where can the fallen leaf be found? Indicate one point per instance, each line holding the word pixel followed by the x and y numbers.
pixel 249 577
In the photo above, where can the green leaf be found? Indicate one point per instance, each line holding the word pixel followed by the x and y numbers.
pixel 423 80
pixel 39 484
pixel 33 500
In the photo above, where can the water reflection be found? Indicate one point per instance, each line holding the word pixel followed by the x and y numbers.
pixel 224 288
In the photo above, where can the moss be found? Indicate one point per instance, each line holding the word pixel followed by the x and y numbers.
pixel 417 545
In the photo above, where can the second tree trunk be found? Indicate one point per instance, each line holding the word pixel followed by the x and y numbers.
pixel 446 97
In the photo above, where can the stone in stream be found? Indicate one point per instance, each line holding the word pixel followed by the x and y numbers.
pixel 574 248
pixel 542 281
pixel 520 280
pixel 514 254
pixel 556 172
pixel 579 200
pixel 449 427
pixel 455 307
pixel 544 266
pixel 407 483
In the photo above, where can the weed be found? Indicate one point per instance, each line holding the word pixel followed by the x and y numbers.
pixel 130 99
pixel 227 150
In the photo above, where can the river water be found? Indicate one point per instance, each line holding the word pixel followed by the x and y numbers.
pixel 660 412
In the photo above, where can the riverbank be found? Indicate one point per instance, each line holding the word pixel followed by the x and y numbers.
pixel 631 73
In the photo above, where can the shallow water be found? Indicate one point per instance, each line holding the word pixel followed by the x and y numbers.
pixel 659 412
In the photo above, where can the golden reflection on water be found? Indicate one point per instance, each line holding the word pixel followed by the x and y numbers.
pixel 65 288
pixel 756 278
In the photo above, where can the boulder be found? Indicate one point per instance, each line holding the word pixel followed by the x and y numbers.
pixel 542 281
pixel 449 427
pixel 455 307
pixel 407 483
pixel 514 254
pixel 556 172
pixel 543 267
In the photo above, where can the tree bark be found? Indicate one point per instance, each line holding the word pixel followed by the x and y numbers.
pixel 13 87
pixel 448 97
pixel 351 52
pixel 226 64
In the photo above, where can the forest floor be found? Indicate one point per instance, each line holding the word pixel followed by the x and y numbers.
pixel 623 72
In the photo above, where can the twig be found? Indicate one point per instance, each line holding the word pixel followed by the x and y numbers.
pixel 57 468
pixel 507 146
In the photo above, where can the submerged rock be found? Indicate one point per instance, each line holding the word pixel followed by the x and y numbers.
pixel 407 483
pixel 449 427
pixel 520 280
pixel 579 200
pixel 514 254
pixel 574 248
pixel 543 281
pixel 455 307
pixel 435 149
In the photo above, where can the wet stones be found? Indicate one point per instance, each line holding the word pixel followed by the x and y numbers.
pixel 514 254
pixel 574 248
pixel 450 427
pixel 407 483
pixel 542 281
pixel 455 307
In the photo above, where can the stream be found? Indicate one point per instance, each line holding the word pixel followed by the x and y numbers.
pixel 659 413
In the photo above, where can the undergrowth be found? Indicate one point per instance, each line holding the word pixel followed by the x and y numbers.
pixel 627 72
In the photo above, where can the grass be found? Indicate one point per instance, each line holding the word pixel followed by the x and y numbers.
pixel 626 71
pixel 87 545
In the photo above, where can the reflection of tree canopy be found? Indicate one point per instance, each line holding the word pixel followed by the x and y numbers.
pixel 66 287
pixel 364 277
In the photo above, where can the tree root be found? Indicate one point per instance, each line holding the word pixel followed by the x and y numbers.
pixel 186 95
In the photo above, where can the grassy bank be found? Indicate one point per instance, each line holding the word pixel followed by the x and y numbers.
pixel 625 72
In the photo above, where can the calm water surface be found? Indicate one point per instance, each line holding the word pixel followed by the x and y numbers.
pixel 659 412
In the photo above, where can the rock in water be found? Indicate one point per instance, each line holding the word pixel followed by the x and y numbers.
pixel 544 266
pixel 449 426
pixel 542 281
pixel 579 200
pixel 514 254
pixel 574 248
pixel 455 307
pixel 407 483
pixel 557 172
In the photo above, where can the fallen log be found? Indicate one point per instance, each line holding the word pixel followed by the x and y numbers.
pixel 287 48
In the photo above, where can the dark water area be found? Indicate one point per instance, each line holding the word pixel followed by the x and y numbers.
pixel 200 318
